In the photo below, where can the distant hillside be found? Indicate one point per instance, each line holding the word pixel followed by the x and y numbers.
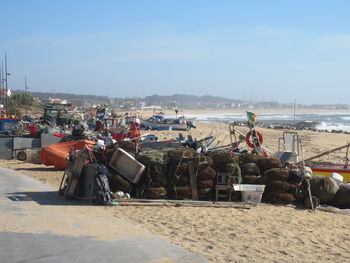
pixel 177 100
pixel 182 98
pixel 189 101
pixel 78 99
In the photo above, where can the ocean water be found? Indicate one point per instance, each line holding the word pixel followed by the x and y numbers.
pixel 327 121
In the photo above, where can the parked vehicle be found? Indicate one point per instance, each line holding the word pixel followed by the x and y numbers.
pixel 9 124
pixel 161 123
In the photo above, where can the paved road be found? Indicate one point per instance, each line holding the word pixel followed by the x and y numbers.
pixel 37 225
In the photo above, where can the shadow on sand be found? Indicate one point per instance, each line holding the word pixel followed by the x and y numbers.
pixel 46 198
pixel 42 169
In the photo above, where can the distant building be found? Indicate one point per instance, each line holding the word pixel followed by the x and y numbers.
pixel 57 102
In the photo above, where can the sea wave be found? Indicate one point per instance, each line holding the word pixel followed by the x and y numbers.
pixel 327 121
pixel 324 126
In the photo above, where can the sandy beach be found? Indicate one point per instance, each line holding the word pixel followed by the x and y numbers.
pixel 242 232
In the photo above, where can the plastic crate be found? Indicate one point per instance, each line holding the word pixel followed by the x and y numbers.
pixel 127 165
pixel 250 192
pixel 252 197
pixel 249 187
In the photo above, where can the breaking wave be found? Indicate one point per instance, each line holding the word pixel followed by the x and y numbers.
pixel 323 126
pixel 327 121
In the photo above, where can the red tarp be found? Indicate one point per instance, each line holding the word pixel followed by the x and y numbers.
pixel 56 154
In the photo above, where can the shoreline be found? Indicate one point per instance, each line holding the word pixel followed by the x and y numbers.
pixel 148 113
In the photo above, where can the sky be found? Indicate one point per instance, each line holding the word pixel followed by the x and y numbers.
pixel 251 50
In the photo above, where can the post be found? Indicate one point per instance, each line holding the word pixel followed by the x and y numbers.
pixel 25 94
pixel 294 109
pixel 6 86
pixel 1 82
pixel 193 180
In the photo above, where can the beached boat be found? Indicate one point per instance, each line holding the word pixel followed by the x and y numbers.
pixel 161 123
pixel 205 143
pixel 327 169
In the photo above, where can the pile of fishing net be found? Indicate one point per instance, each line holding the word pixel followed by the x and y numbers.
pixel 249 158
pixel 342 197
pixel 127 146
pixel 278 190
pixel 154 182
pixel 250 173
pixel 118 183
pixel 228 163
pixel 323 187
pixel 224 157
pixel 179 174
pixel 152 157
pixel 205 178
pixel 182 154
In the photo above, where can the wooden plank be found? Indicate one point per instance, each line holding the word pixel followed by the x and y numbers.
pixel 193 181
pixel 324 153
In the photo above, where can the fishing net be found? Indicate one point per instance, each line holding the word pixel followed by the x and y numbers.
pixel 277 187
pixel 277 174
pixel 181 192
pixel 152 157
pixel 323 187
pixel 342 197
pixel 119 183
pixel 205 194
pixel 224 157
pixel 202 162
pixel 249 158
pixel 249 169
pixel 158 181
pixel 155 193
pixel 182 154
pixel 128 146
pixel 205 184
pixel 250 179
pixel 223 168
pixel 279 198
pixel 236 172
pixel 268 163
pixel 181 181
pixel 207 174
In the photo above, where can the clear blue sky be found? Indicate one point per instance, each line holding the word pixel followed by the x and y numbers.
pixel 271 50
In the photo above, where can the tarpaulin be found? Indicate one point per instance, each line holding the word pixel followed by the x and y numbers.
pixel 56 154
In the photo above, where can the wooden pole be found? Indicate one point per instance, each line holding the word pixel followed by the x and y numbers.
pixel 193 181
pixel 347 156
pixel 324 153
pixel 306 179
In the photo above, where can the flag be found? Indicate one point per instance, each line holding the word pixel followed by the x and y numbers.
pixel 251 118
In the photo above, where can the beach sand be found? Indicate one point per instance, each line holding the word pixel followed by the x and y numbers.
pixel 242 233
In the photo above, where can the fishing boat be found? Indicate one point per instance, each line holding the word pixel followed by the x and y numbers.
pixel 161 123
pixel 327 169
pixel 201 144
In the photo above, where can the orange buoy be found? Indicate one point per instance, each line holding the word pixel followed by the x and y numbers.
pixel 249 143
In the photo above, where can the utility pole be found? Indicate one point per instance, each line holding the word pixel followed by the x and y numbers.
pixel 294 105
pixel 1 83
pixel 6 86
pixel 25 94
